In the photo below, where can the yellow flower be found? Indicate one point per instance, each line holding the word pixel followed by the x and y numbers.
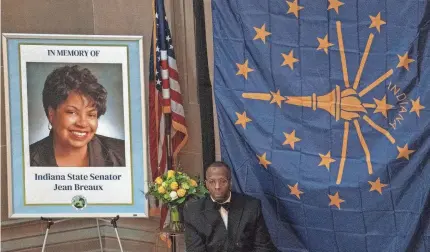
pixel 181 193
pixel 158 180
pixel 161 190
pixel 174 186
pixel 193 182
pixel 170 173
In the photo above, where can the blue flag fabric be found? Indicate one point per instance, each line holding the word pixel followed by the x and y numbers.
pixel 324 115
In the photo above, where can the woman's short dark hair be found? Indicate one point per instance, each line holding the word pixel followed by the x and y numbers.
pixel 64 80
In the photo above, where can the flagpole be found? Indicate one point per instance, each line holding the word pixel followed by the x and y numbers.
pixel 154 56
pixel 168 120
pixel 166 111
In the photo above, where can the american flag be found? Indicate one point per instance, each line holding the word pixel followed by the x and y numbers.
pixel 164 95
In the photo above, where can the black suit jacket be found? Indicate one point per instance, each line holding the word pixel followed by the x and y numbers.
pixel 205 230
pixel 102 151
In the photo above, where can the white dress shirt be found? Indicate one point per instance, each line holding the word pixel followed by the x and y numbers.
pixel 223 212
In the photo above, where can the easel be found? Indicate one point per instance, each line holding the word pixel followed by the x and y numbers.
pixel 50 222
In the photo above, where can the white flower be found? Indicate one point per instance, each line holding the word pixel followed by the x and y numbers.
pixel 173 195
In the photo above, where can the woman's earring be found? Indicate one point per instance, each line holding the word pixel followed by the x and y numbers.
pixel 49 126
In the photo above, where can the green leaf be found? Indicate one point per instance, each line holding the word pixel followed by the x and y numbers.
pixel 181 200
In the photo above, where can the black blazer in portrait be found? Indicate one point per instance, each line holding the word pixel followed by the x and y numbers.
pixel 102 151
pixel 205 230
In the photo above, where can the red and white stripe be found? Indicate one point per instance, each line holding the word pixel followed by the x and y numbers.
pixel 168 101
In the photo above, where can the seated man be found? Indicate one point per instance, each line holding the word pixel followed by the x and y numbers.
pixel 225 221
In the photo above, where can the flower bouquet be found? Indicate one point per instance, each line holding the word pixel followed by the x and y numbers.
pixel 172 189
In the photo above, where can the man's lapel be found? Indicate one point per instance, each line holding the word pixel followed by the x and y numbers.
pixel 235 214
pixel 212 215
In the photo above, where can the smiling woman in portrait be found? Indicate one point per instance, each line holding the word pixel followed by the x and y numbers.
pixel 74 101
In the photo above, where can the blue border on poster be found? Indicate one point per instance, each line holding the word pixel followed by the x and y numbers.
pixel 139 206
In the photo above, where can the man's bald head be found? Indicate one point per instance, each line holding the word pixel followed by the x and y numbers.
pixel 219 164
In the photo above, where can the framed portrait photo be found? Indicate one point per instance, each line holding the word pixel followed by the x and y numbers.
pixel 75 125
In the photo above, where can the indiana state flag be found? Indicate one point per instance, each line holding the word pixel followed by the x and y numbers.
pixel 324 115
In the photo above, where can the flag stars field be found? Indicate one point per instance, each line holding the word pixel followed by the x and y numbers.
pixel 326 160
pixel 416 106
pixel 382 106
pixel 351 106
pixel 368 104
pixel 376 186
pixel 263 160
pixel 243 69
pixel 291 139
pixel 377 22
pixel 277 98
pixel 261 33
pixel 294 8
pixel 324 44
pixel 404 152
pixel 335 200
pixel 289 59
pixel 334 4
pixel 379 106
pixel 294 190
pixel 242 119
pixel 404 61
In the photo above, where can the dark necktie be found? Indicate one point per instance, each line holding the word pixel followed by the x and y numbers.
pixel 226 205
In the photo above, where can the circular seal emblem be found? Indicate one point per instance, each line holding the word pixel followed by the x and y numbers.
pixel 79 202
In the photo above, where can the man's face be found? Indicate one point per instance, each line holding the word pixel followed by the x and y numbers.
pixel 74 122
pixel 218 183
